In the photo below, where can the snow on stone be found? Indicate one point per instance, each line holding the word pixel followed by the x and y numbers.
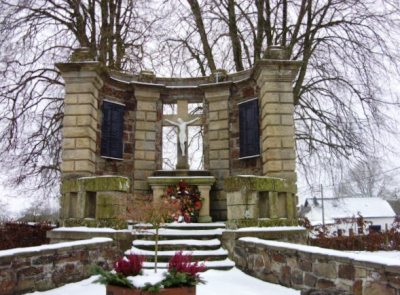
pixel 86 229
pixel 213 242
pixel 209 264
pixel 177 232
pixel 270 229
pixel 217 252
pixel 53 246
pixel 177 225
pixel 205 225
pixel 362 256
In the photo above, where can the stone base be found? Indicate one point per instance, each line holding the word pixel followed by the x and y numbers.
pixel 205 219
pixel 160 183
pixel 182 172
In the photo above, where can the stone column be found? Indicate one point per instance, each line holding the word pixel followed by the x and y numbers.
pixel 274 76
pixel 217 96
pixel 82 84
pixel 145 137
pixel 204 214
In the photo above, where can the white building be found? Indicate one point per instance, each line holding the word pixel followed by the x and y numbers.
pixel 344 211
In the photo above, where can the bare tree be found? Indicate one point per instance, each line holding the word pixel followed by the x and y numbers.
pixel 366 179
pixel 344 45
pixel 34 35
pixel 349 48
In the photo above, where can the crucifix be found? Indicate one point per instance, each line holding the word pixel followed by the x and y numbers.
pixel 181 120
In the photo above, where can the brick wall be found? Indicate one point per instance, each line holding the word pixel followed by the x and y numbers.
pixel 46 267
pixel 306 267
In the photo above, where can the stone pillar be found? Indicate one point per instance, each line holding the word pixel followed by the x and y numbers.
pixel 204 214
pixel 217 97
pixel 82 84
pixel 145 137
pixel 274 76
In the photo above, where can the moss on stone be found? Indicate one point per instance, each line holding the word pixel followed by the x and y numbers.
pixel 69 185
pixel 112 223
pixel 104 183
pixel 258 183
pixel 95 184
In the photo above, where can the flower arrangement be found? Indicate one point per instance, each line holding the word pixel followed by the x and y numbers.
pixel 188 201
pixel 128 266
pixel 128 274
pixel 182 271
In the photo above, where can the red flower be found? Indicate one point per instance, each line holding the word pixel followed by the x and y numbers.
pixel 183 263
pixel 197 205
pixel 130 265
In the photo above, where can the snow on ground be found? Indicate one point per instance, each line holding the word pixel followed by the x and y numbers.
pixel 232 282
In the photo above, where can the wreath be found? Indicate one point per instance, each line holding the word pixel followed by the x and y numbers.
pixel 186 198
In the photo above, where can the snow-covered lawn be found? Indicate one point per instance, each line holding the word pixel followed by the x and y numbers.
pixel 232 282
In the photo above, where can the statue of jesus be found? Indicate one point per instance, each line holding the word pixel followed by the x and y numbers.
pixel 182 130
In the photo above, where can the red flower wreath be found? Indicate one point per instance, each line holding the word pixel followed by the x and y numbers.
pixel 188 201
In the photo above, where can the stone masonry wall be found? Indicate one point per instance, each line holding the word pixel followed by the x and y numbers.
pixel 145 161
pixel 217 139
pixel 49 266
pixel 306 267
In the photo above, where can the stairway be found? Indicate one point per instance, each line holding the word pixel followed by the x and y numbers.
pixel 201 240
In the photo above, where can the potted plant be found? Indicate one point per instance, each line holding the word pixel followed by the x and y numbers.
pixel 128 277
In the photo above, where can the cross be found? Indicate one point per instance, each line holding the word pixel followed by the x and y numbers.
pixel 184 115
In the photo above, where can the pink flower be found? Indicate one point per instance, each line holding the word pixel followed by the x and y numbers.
pixel 130 265
pixel 183 263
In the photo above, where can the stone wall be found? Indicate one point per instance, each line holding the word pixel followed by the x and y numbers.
pixel 295 234
pixel 89 83
pixel 46 267
pixel 305 267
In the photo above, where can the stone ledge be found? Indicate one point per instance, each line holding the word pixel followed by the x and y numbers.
pixel 258 183
pixel 96 184
pixel 172 180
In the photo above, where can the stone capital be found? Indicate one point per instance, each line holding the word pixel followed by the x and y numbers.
pixel 273 70
pixel 82 72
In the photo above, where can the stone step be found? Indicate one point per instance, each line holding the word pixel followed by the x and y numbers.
pixel 179 244
pixel 225 264
pixel 165 256
pixel 185 226
pixel 175 234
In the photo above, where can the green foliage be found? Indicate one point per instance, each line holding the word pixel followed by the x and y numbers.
pixel 112 223
pixel 111 278
pixel 152 288
pixel 179 279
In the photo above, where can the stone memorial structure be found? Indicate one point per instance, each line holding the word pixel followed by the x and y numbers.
pixel 114 149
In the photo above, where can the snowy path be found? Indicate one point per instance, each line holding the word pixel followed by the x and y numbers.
pixel 232 282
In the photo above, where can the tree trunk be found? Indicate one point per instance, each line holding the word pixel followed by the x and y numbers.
pixel 194 6
pixel 233 33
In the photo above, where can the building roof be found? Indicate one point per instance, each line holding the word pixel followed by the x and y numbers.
pixel 338 208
